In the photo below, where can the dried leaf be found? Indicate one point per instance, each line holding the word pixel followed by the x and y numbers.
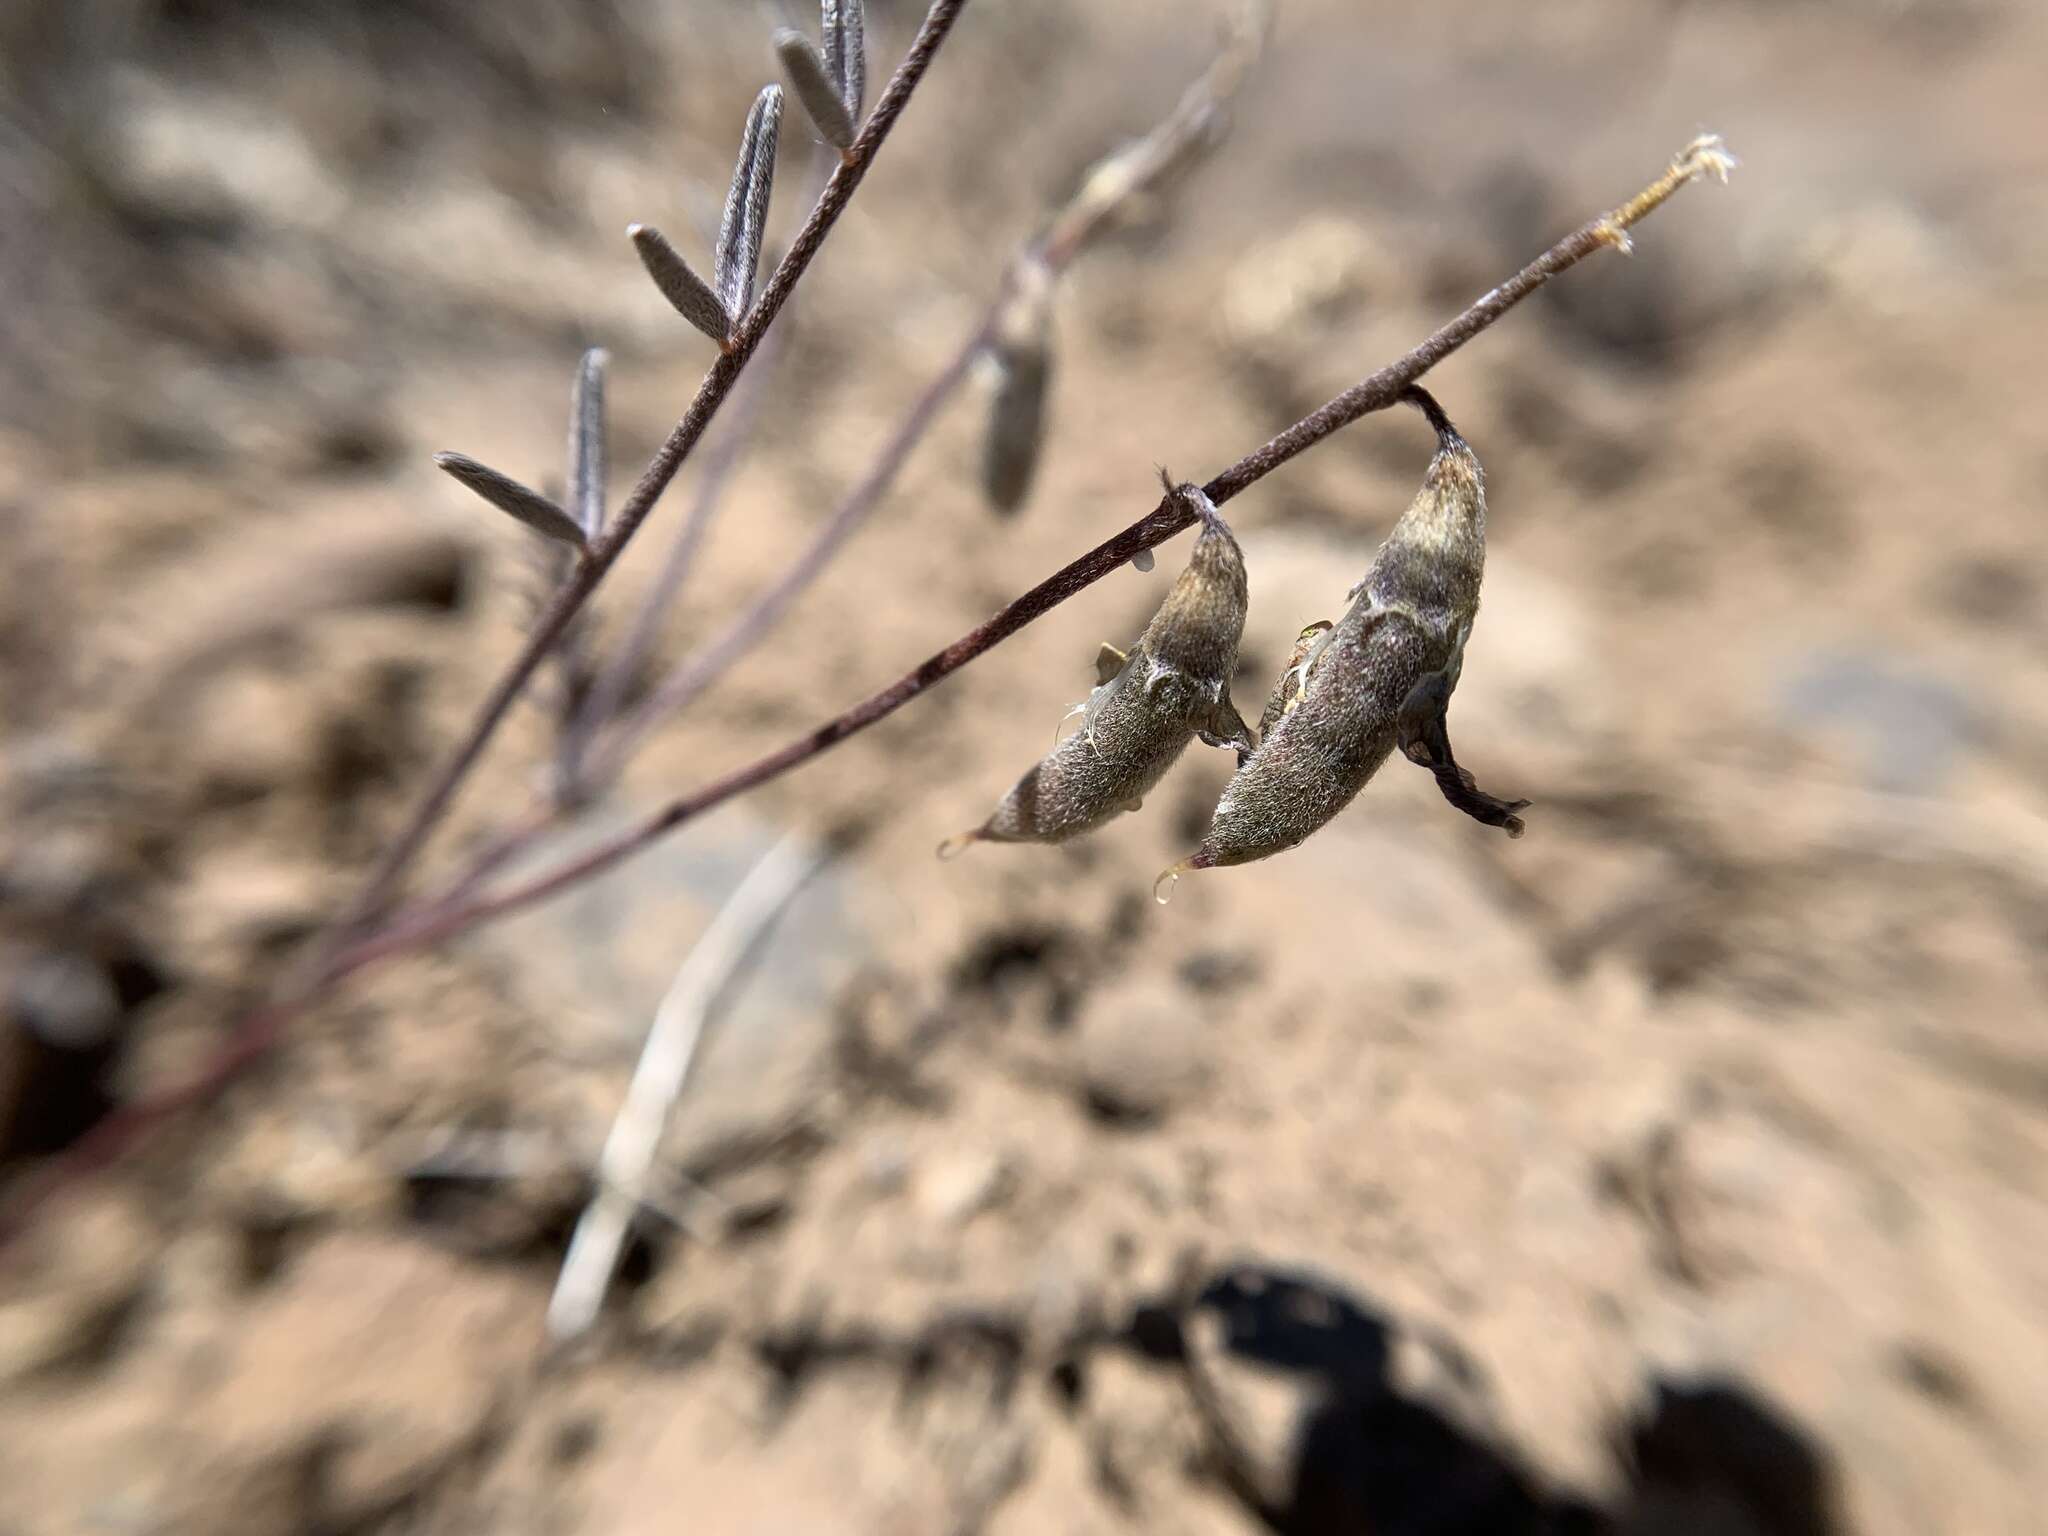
pixel 746 205
pixel 846 52
pixel 814 87
pixel 586 443
pixel 680 284
pixel 514 499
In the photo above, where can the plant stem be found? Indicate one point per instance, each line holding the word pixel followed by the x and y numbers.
pixel 604 553
pixel 703 668
pixel 1375 393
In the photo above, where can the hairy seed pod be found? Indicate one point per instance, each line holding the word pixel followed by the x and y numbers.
pixel 1022 348
pixel 1351 691
pixel 1173 684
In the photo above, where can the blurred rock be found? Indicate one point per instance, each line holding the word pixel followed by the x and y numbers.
pixel 596 962
pixel 193 157
pixel 958 1187
pixel 252 900
pixel 68 1290
pixel 370 1370
pixel 199 158
pixel 1909 726
pixel 1284 295
pixel 1140 1056
pixel 62 1024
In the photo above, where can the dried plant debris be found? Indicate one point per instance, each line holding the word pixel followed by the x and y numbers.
pixel 1021 346
pixel 510 497
pixel 1172 685
pixel 1380 677
pixel 746 206
pixel 692 297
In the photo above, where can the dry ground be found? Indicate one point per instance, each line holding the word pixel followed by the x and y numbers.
pixel 1676 1168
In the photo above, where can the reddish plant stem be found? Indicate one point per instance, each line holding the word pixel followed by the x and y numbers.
pixel 617 674
pixel 705 667
pixel 1122 174
pixel 1376 392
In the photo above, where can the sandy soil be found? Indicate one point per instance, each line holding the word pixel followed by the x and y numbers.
pixel 1677 1167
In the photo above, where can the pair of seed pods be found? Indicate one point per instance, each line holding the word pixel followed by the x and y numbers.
pixel 1380 677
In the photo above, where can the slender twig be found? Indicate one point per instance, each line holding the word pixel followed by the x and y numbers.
pixel 1705 156
pixel 604 551
pixel 705 666
pixel 672 1040
pixel 601 704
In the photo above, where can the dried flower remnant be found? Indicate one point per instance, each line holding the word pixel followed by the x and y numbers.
pixel 679 283
pixel 515 500
pixel 746 205
pixel 1379 678
pixel 1173 685
pixel 1021 346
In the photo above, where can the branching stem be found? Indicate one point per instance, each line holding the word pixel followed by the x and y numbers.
pixel 418 930
pixel 1374 393
pixel 604 552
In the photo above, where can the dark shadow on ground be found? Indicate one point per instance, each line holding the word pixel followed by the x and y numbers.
pixel 1703 1458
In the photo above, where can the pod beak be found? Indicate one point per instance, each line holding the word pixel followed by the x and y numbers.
pixel 1163 887
pixel 958 844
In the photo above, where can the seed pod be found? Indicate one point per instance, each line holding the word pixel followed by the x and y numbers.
pixel 1022 348
pixel 1173 684
pixel 1378 678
